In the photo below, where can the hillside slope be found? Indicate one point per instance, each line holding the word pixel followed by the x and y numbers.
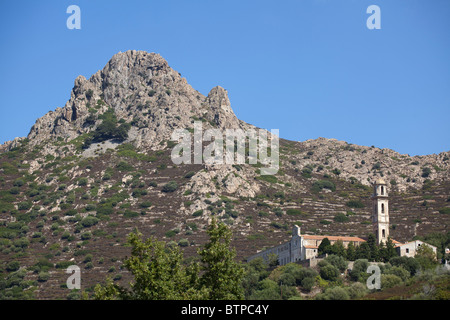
pixel 91 172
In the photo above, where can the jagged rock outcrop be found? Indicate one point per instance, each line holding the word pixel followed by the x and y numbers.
pixel 143 90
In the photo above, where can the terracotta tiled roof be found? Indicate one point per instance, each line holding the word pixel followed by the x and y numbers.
pixel 332 238
pixel 311 247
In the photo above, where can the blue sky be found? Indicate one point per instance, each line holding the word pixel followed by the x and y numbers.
pixel 310 68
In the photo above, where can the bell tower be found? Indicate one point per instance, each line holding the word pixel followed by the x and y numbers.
pixel 380 211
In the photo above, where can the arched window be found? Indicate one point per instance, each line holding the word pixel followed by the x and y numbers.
pixel 383 233
pixel 382 208
pixel 382 190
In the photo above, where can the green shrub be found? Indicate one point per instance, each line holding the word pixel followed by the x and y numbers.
pixel 263 214
pixel 170 233
pixel 89 221
pixel 43 276
pixel 130 214
pixel 145 204
pixel 426 172
pixel 63 264
pixel 340 217
pixel 82 181
pixel 170 186
pixel 189 175
pixel 18 182
pixel 197 213
pixel 183 243
pixel 124 166
pixel 329 272
pixel 354 204
pixel 268 178
pixel 108 129
pixel 323 184
pixel 86 236
pixel 294 212
pixel 13 266
pixel 88 258
pixel 25 205
pixel 390 280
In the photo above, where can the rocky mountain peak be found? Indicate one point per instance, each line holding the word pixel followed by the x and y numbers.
pixel 142 90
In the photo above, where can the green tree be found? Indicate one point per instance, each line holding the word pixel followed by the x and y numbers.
pixel 329 272
pixel 390 252
pixel 337 261
pixel 338 249
pixel 408 263
pixel 363 251
pixel 222 275
pixel 426 257
pixel 358 272
pixel 351 252
pixel 325 246
pixel 373 248
pixel 158 274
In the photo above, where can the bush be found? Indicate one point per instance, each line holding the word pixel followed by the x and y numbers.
pixel 329 272
pixel 145 204
pixel 340 217
pixel 308 283
pixel 18 182
pixel 43 276
pixel 130 214
pixel 336 293
pixel 13 266
pixel 189 175
pixel 390 280
pixel 170 186
pixel 357 290
pixel 408 263
pixel 337 261
pixel 197 213
pixel 86 236
pixel 89 221
pixel 426 172
pixel 124 166
pixel 323 184
pixel 401 272
pixel 108 129
pixel 183 243
pixel 293 212
pixel 63 264
pixel 88 258
pixel 354 204
pixel 268 178
pixel 170 233
pixel 25 205
pixel 358 272
pixel 82 181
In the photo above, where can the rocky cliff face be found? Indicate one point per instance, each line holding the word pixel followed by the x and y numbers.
pixel 143 90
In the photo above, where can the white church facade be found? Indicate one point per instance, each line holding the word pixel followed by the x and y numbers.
pixel 303 247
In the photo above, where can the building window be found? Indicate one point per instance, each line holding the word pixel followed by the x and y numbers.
pixel 407 250
pixel 383 233
pixel 382 208
pixel 382 190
